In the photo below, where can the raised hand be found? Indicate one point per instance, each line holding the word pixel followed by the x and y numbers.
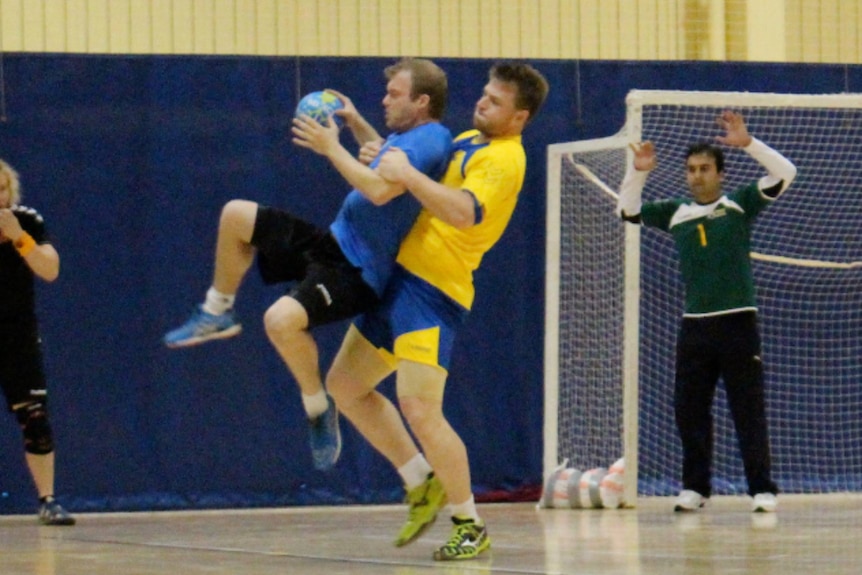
pixel 645 159
pixel 348 113
pixel 308 133
pixel 736 132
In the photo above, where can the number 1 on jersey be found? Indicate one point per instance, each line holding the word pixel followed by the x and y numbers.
pixel 702 232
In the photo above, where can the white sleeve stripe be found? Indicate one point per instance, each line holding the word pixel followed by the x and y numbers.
pixel 631 191
pixel 779 168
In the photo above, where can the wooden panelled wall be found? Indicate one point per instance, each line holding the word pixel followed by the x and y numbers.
pixel 767 30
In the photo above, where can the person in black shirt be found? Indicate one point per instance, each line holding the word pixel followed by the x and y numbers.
pixel 25 253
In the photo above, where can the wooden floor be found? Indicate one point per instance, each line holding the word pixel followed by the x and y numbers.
pixel 809 535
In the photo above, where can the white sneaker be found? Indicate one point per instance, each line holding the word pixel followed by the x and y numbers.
pixel 764 503
pixel 689 500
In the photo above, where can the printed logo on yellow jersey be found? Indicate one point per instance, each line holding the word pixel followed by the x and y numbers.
pixel 493 177
pixel 421 346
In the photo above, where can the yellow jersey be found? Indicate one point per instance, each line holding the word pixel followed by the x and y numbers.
pixel 445 256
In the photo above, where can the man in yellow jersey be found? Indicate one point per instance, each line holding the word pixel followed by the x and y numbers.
pixel 427 300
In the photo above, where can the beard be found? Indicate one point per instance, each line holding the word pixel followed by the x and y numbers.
pixel 480 123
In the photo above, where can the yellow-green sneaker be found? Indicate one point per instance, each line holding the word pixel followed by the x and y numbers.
pixel 467 541
pixel 425 501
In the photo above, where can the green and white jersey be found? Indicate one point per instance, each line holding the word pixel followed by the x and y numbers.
pixel 714 244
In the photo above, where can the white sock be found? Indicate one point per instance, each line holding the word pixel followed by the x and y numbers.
pixel 315 404
pixel 415 471
pixel 217 303
pixel 466 510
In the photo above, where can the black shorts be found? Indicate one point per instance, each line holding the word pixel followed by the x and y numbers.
pixel 22 375
pixel 327 285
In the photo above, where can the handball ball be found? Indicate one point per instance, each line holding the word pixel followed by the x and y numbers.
pixel 619 466
pixel 611 490
pixel 320 105
pixel 589 488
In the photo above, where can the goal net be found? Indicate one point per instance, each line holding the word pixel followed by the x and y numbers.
pixel 611 329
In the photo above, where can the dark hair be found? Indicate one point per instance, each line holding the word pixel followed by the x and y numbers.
pixel 709 149
pixel 532 86
pixel 426 77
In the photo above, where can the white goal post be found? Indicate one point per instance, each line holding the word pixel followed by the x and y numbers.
pixel 610 329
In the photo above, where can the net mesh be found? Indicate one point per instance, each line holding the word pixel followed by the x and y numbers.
pixel 591 310
pixel 806 264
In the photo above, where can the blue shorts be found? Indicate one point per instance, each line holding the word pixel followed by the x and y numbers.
pixel 415 321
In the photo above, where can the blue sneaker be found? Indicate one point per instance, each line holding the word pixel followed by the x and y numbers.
pixel 325 438
pixel 203 326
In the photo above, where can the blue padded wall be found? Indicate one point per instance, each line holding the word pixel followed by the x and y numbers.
pixel 130 159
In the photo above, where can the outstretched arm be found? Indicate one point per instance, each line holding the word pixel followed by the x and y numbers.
pixel 308 133
pixel 629 202
pixel 454 206
pixel 780 170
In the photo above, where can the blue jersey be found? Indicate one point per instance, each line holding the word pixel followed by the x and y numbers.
pixel 370 235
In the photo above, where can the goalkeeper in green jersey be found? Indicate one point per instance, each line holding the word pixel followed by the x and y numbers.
pixel 718 336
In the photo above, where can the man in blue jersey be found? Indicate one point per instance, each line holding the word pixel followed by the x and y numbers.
pixel 428 298
pixel 718 336
pixel 335 273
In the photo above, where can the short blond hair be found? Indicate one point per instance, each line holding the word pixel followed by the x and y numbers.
pixel 14 182
pixel 426 77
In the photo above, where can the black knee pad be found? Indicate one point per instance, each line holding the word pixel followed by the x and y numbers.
pixel 33 419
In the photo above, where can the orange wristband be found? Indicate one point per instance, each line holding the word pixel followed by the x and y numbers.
pixel 25 244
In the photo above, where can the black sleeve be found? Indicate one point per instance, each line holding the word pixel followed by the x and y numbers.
pixel 635 219
pixel 31 222
pixel 773 191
